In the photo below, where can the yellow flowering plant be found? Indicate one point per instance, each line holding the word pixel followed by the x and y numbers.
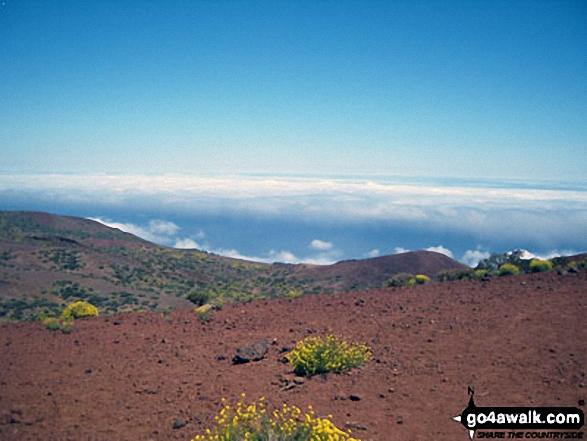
pixel 319 355
pixel 255 423
pixel 79 309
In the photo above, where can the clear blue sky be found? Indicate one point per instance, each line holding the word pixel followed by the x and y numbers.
pixel 420 88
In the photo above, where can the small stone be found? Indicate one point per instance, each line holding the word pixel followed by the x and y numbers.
pixel 221 357
pixel 88 371
pixel 400 420
pixel 298 381
pixel 178 424
pixel 253 351
pixel 355 398
pixel 354 426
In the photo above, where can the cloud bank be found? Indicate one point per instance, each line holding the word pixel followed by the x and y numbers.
pixel 552 215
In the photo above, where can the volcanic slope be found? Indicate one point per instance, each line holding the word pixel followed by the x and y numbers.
pixel 47 261
pixel 517 340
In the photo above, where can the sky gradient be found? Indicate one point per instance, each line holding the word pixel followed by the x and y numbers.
pixel 458 89
pixel 309 131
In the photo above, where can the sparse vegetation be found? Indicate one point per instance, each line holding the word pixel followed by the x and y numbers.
pixel 320 355
pixel 69 261
pixel 455 274
pixel 26 308
pixel 254 422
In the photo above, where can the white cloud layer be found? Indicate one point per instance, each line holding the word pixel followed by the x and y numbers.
pixel 186 244
pixel 374 253
pixel 143 233
pixel 440 249
pixel 473 257
pixel 321 245
pixel 549 214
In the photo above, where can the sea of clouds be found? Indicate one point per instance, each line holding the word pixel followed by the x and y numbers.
pixel 319 220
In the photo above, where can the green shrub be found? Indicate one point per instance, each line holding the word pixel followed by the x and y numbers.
pixel 319 355
pixel 539 266
pixel 481 273
pixel 508 269
pixel 255 422
pixel 63 324
pixel 198 297
pixel 79 309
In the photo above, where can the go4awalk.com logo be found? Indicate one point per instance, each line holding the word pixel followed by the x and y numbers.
pixel 521 422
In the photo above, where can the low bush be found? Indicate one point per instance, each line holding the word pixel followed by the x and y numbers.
pixel 78 310
pixel 320 355
pixel 52 323
pixel 55 324
pixel 255 422
pixel 400 279
pixel 482 273
pixel 508 269
pixel 539 265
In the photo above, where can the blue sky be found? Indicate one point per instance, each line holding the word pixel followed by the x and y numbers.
pixel 488 95
pixel 459 89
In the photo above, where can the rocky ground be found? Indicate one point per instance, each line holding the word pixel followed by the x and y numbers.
pixel 519 341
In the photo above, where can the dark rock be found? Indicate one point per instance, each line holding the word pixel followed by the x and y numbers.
pixel 354 426
pixel 221 357
pixel 253 351
pixel 355 398
pixel 88 371
pixel 178 424
pixel 400 420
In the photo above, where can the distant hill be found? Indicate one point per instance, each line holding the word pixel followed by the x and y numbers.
pixel 47 261
pixel 349 275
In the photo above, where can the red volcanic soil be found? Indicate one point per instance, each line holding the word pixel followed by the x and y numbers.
pixel 518 341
